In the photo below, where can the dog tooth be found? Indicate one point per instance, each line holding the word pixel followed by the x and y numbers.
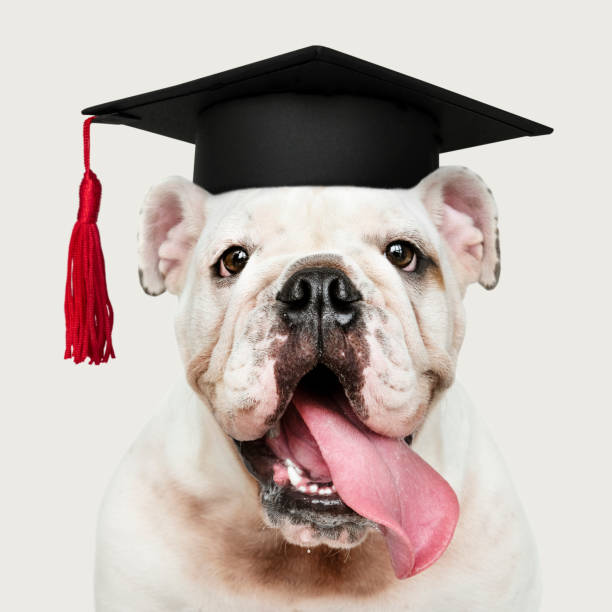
pixel 297 468
pixel 325 491
pixel 313 488
pixel 302 488
pixel 295 478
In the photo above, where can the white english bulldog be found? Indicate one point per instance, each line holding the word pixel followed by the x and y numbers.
pixel 318 455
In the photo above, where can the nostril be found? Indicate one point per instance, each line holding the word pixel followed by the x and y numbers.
pixel 342 293
pixel 297 294
pixel 337 290
pixel 300 294
pixel 338 295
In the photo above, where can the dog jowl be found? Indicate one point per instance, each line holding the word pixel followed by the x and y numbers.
pixel 318 325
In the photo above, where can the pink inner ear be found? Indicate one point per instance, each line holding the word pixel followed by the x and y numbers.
pixel 175 248
pixel 168 244
pixel 462 198
pixel 167 216
pixel 464 238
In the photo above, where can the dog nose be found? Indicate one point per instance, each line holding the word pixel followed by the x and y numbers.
pixel 319 294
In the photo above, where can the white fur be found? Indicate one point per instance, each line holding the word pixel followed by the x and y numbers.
pixel 182 485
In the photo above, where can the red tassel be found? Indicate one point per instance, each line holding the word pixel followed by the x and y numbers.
pixel 89 314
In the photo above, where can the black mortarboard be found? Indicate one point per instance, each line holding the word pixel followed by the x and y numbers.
pixel 310 117
pixel 314 117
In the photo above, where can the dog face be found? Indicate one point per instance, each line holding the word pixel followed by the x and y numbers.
pixel 354 291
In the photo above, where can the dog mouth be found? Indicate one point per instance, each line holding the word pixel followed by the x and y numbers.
pixel 294 477
pixel 319 465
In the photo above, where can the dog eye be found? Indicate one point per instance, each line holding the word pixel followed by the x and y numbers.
pixel 402 254
pixel 232 261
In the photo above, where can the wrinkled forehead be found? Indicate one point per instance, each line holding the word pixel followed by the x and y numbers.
pixel 318 217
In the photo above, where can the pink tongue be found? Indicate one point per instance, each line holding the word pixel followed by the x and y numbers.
pixel 382 479
pixel 295 442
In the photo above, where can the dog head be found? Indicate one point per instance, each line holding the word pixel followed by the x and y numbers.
pixel 344 290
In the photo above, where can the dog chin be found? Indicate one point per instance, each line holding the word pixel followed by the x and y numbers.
pixel 310 519
pixel 310 535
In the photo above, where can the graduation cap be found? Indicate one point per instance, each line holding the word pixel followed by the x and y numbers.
pixel 309 117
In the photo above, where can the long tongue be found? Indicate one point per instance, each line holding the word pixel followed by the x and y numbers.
pixel 384 480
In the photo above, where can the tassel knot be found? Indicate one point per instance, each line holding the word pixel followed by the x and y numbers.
pixel 90 194
pixel 89 314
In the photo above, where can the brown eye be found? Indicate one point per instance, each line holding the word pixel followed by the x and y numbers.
pixel 232 261
pixel 401 254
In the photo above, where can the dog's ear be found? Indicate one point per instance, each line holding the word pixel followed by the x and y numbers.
pixel 171 221
pixel 464 211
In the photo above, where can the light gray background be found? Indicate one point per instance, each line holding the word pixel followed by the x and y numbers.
pixel 536 359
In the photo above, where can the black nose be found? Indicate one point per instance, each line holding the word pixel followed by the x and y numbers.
pixel 316 295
